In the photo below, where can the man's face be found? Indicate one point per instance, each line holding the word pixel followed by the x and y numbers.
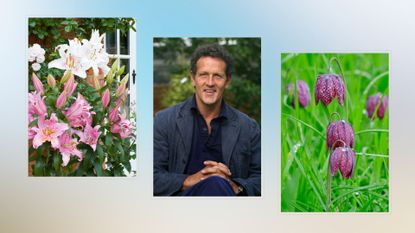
pixel 210 80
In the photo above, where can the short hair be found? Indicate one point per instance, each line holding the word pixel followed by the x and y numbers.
pixel 212 50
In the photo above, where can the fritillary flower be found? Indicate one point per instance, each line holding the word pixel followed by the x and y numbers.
pixel 329 86
pixel 373 101
pixel 344 160
pixel 303 93
pixel 338 132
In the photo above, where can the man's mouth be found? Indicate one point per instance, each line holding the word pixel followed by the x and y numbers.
pixel 209 91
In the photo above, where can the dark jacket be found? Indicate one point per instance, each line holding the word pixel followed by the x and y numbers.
pixel 241 148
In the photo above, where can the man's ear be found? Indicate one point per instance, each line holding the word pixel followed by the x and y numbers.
pixel 228 80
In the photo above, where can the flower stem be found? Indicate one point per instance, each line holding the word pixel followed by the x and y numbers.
pixel 345 85
pixel 328 189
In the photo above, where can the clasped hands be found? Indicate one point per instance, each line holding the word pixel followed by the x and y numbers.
pixel 211 168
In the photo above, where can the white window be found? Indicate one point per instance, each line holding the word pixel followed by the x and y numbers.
pixel 123 46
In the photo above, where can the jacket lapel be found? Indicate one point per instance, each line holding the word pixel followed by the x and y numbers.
pixel 230 135
pixel 184 123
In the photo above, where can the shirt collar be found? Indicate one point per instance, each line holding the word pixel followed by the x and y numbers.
pixel 222 115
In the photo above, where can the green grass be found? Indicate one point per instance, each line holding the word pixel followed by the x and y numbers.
pixel 304 158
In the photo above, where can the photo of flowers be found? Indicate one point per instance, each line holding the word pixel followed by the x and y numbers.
pixel 81 97
pixel 334 132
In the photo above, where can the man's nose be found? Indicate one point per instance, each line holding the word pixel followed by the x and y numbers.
pixel 210 80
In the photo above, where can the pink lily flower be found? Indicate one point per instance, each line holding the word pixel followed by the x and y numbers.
pixel 37 105
pixel 60 102
pixel 67 147
pixel 123 127
pixel 48 130
pixel 105 98
pixel 90 135
pixel 37 84
pixel 78 113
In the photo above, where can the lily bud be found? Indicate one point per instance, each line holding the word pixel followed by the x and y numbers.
pixel 343 159
pixel 60 102
pixel 51 81
pixel 66 76
pixel 328 86
pixel 70 85
pixel 113 114
pixel 37 84
pixel 338 132
pixel 303 93
pixel 373 101
pixel 121 89
pixel 105 98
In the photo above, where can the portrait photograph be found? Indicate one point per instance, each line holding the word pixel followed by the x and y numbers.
pixel 207 116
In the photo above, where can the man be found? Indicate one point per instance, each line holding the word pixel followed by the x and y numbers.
pixel 204 147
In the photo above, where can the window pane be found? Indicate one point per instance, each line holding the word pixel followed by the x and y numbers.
pixel 125 62
pixel 111 42
pixel 125 43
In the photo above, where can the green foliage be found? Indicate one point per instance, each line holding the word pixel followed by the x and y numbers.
pixel 244 92
pixel 304 156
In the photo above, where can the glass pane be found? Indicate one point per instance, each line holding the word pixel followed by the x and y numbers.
pixel 125 43
pixel 111 42
pixel 126 62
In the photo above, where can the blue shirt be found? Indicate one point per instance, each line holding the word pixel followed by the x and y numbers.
pixel 205 146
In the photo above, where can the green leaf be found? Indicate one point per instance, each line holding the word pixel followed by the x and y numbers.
pixel 38 168
pixel 108 139
pixel 100 153
pixel 98 168
pixel 56 162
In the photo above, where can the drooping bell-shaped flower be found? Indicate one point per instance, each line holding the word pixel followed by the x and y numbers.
pixel 339 133
pixel 303 93
pixel 373 101
pixel 329 86
pixel 343 159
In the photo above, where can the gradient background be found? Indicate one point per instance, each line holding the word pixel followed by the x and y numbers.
pixel 126 204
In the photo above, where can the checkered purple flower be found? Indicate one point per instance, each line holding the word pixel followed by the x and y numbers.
pixel 339 133
pixel 373 101
pixel 344 160
pixel 328 86
pixel 303 93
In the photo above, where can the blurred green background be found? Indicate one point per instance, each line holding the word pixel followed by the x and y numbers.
pixel 172 83
pixel 304 157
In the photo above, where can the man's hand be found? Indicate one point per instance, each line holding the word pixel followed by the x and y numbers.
pixel 211 168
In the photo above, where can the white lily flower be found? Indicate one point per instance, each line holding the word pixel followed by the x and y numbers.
pixel 70 58
pixel 94 54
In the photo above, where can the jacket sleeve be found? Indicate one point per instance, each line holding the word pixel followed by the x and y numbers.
pixel 165 182
pixel 252 184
